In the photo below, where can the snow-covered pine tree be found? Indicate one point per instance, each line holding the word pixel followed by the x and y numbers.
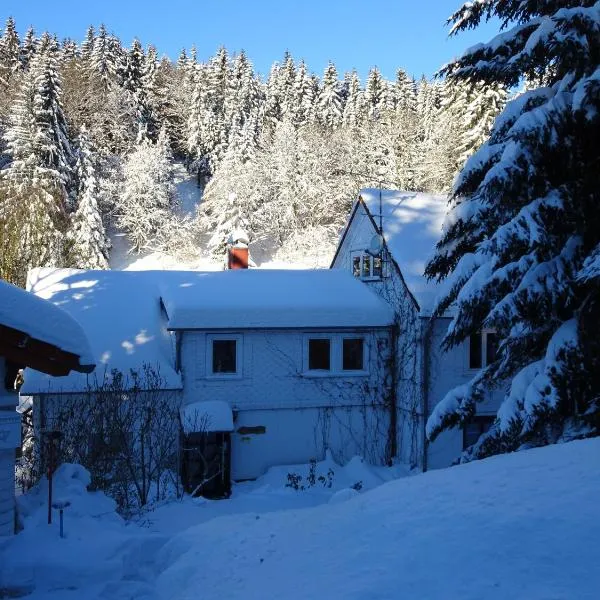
pixel 377 95
pixel 10 52
pixel 303 111
pixel 148 192
pixel 88 244
pixel 28 47
pixel 38 138
pixel 68 50
pixel 484 103
pixel 355 108
pixel 87 45
pixel 524 227
pixel 134 83
pixel 103 60
pixel 37 182
pixel 329 104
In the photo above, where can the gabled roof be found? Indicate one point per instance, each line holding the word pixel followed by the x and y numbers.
pixel 127 315
pixel 412 225
pixel 37 334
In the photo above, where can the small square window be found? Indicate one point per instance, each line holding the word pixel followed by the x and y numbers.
pixel 319 354
pixel 356 266
pixel 473 430
pixel 224 358
pixel 353 354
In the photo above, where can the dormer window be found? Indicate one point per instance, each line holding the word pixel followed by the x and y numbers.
pixel 366 266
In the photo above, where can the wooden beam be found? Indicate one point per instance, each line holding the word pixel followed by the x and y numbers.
pixel 19 347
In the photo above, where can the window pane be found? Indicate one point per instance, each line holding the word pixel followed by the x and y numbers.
pixel 352 359
pixel 356 266
pixel 319 355
pixel 474 429
pixel 377 270
pixel 366 271
pixel 224 356
pixel 475 351
pixel 491 348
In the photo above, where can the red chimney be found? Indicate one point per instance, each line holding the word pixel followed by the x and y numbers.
pixel 237 258
pixel 237 250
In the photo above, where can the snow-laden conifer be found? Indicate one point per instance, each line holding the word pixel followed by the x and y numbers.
pixel 148 191
pixel 524 226
pixel 89 245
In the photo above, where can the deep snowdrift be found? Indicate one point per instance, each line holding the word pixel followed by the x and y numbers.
pixel 518 526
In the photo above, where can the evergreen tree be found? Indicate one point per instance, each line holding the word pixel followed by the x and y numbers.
pixel 330 107
pixel 29 48
pixel 304 97
pixel 38 139
pixel 148 192
pixel 10 52
pixel 377 95
pixel 355 109
pixel 524 227
pixel 134 82
pixel 89 245
pixel 87 45
pixel 103 60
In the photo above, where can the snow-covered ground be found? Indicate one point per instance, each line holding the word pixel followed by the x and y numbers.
pixel 519 526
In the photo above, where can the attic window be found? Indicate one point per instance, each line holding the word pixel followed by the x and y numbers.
pixel 366 266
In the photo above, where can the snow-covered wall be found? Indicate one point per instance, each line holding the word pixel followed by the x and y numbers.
pixel 409 348
pixel 284 414
pixel 420 382
pixel 447 370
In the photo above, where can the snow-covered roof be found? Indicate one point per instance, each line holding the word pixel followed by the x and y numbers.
pixel 211 415
pixel 412 225
pixel 122 311
pixel 121 315
pixel 42 321
pixel 271 299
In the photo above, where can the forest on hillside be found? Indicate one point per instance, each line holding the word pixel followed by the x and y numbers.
pixel 89 133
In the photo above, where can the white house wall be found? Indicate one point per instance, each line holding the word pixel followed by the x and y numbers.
pixel 446 371
pixel 417 384
pixel 409 347
pixel 293 416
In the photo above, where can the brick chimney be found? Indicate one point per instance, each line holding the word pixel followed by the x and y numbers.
pixel 237 250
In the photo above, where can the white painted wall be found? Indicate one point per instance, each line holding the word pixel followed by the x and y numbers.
pixel 302 413
pixel 446 371
pixel 409 347
pixel 417 383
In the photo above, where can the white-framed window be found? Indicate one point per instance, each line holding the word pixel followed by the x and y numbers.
pixel 483 346
pixel 366 266
pixel 336 354
pixel 224 355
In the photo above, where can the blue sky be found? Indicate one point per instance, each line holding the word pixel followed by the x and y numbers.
pixel 352 33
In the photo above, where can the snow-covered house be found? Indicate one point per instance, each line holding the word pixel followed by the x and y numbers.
pixel 300 357
pixel 33 333
pixel 387 241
